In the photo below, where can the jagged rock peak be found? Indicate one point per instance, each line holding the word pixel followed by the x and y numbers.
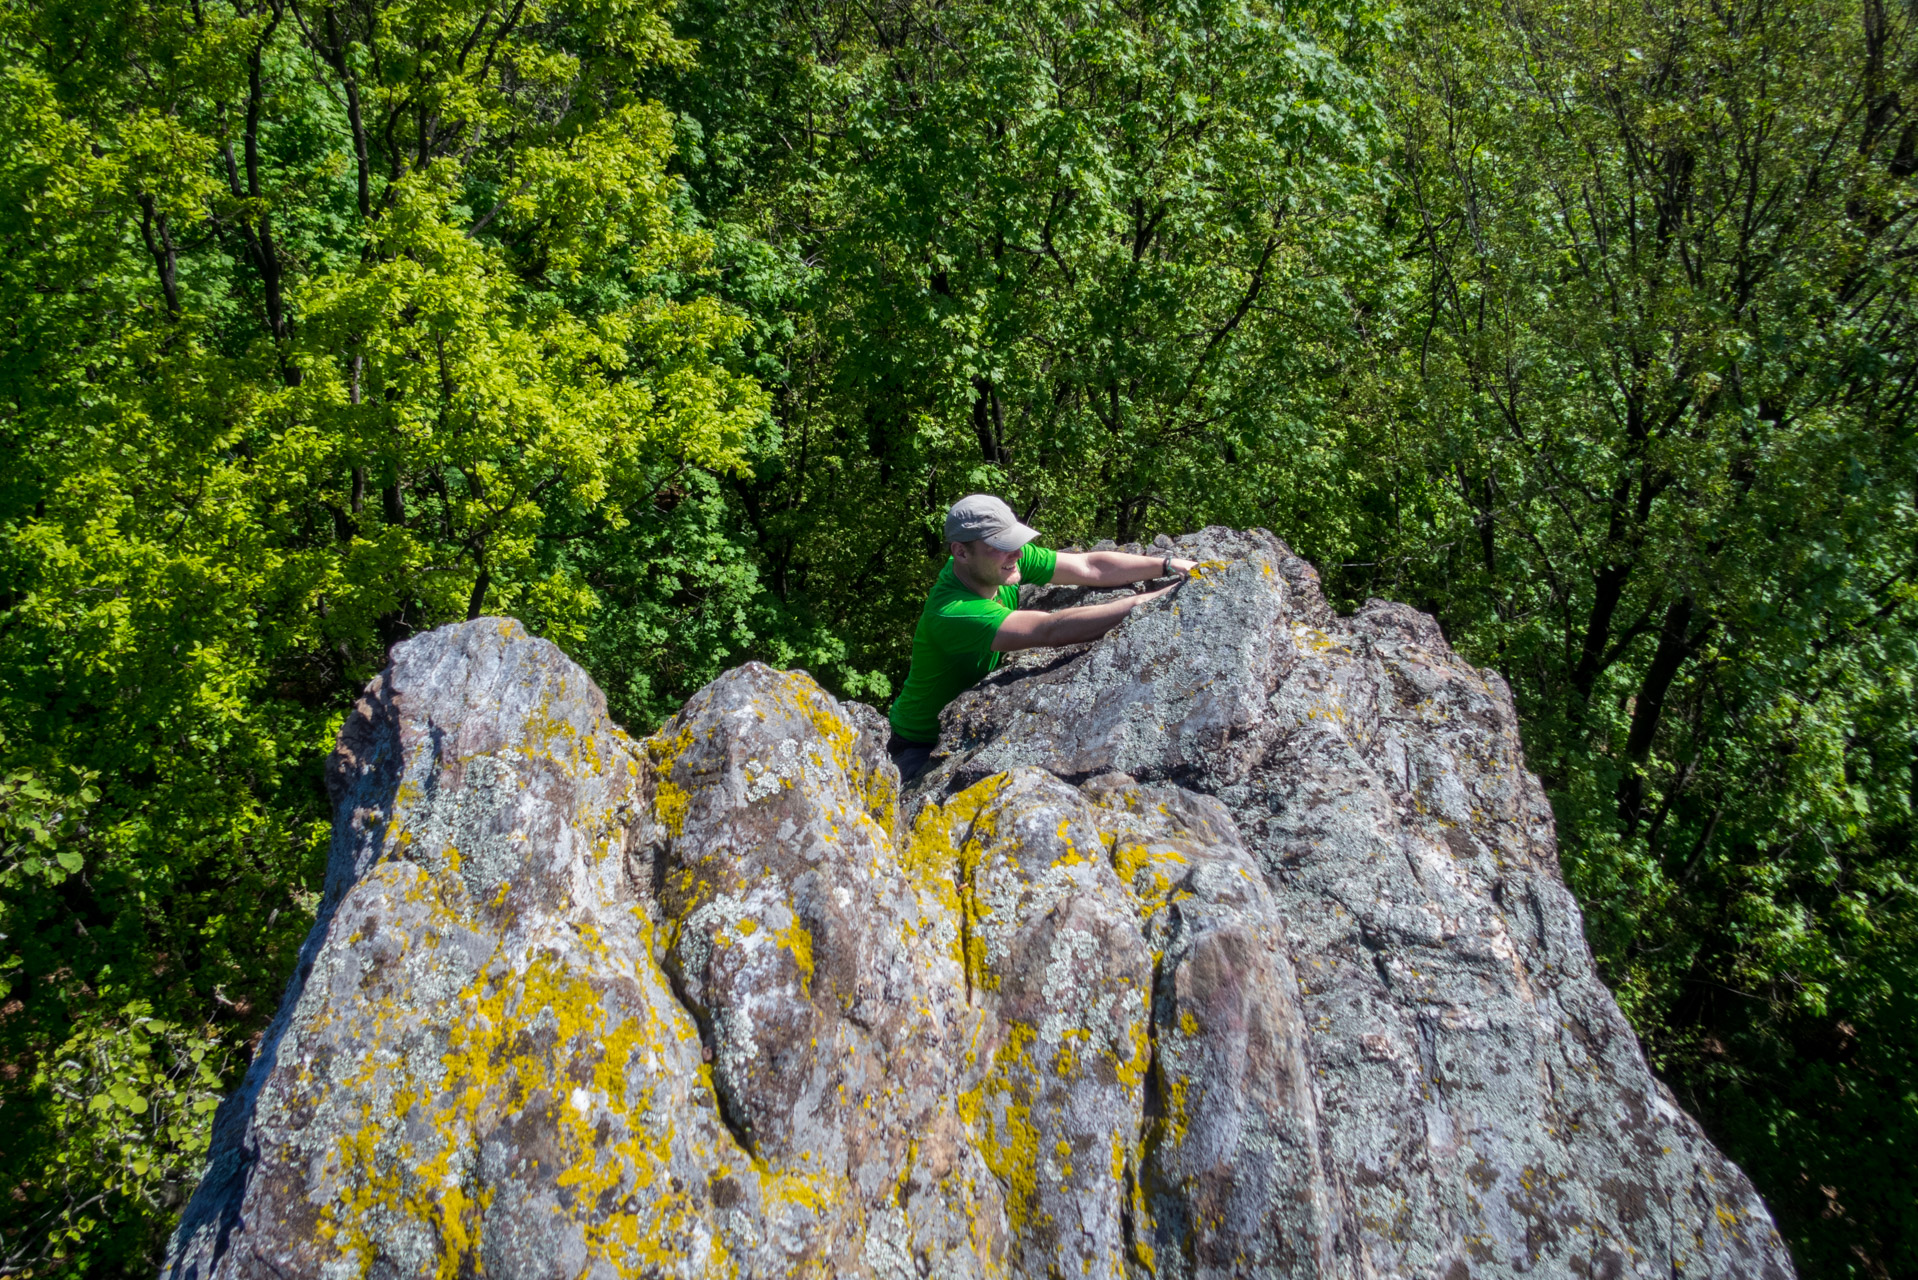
pixel 1233 945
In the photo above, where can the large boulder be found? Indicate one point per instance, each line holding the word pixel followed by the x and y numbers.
pixel 1231 945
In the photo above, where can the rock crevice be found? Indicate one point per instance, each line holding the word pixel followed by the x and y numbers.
pixel 1231 945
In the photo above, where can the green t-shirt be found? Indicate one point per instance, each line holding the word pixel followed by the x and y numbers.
pixel 952 645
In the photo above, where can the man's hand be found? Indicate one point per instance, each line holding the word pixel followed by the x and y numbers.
pixel 1112 568
pixel 1036 629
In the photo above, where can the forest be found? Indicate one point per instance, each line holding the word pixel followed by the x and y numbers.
pixel 672 330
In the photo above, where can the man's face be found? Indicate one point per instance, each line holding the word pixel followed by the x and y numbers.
pixel 982 565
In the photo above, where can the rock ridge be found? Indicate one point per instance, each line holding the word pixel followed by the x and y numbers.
pixel 1231 945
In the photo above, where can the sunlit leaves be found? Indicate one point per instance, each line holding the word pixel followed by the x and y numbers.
pixel 324 325
pixel 1649 436
pixel 1096 258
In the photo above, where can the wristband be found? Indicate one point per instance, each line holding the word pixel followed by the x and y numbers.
pixel 1165 569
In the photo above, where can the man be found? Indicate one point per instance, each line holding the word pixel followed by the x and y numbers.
pixel 972 614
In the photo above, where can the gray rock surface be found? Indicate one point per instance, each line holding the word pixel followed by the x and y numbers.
pixel 1231 945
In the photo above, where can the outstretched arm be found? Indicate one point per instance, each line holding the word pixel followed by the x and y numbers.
pixel 1111 568
pixel 1036 629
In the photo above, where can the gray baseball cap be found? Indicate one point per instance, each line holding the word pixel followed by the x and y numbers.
pixel 980 515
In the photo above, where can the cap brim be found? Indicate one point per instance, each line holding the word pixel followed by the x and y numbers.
pixel 1011 539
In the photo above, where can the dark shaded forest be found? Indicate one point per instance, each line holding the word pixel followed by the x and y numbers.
pixel 672 331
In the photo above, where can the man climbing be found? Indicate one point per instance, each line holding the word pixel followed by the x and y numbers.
pixel 972 614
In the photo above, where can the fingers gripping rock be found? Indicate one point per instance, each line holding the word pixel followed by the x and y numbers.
pixel 1232 945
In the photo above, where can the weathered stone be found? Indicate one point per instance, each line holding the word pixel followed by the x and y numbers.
pixel 1481 1106
pixel 1232 945
pixel 478 1064
pixel 838 1037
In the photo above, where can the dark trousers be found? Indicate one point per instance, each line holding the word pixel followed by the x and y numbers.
pixel 911 757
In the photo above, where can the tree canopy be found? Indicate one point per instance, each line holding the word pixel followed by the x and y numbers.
pixel 673 332
pixel 1665 483
pixel 324 325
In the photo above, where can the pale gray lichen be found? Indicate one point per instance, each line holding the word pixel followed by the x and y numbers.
pixel 1233 945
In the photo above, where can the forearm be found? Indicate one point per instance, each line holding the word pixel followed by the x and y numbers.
pixel 1029 629
pixel 1087 621
pixel 1117 568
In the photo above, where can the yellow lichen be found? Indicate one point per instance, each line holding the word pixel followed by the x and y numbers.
pixel 1130 1072
pixel 942 857
pixel 544 1040
pixel 1175 1121
pixel 1129 857
pixel 796 939
pixel 999 1112
pixel 670 801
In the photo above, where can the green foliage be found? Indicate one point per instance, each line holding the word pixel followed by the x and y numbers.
pixel 1588 329
pixel 34 815
pixel 131 1101
pixel 324 325
pixel 1644 441
pixel 1092 257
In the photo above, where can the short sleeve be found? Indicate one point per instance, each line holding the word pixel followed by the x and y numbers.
pixel 1036 564
pixel 966 627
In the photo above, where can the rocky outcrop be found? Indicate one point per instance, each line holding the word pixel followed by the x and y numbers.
pixel 1232 945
